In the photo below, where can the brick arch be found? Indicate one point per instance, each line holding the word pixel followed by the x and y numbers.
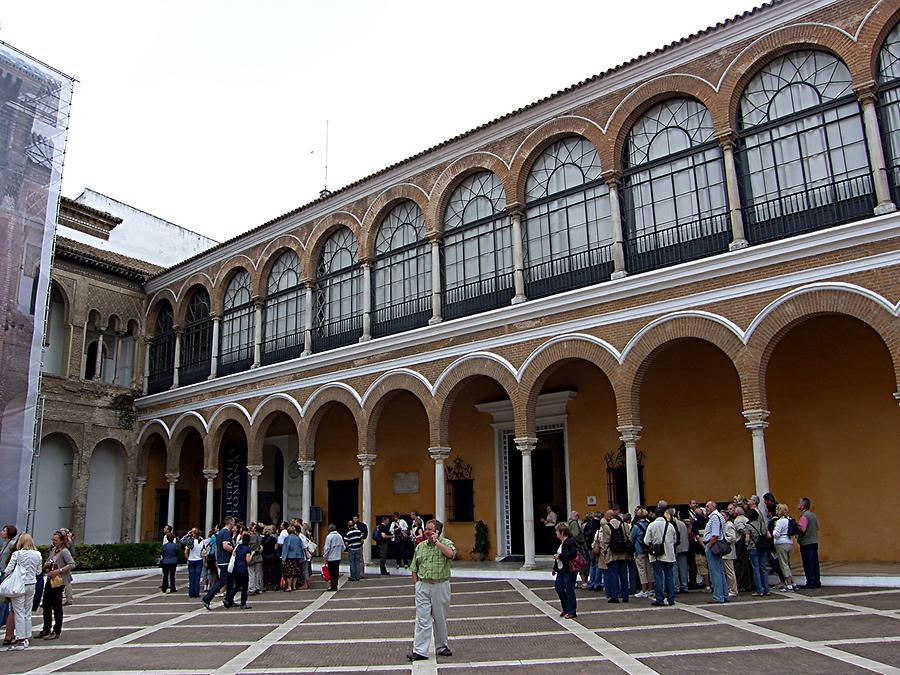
pixel 545 362
pixel 270 255
pixel 778 43
pixel 187 292
pixel 176 439
pixel 319 235
pixel 143 441
pixel 457 172
pixel 380 207
pixel 67 302
pixel 878 24
pixel 646 95
pixel 643 349
pixel 263 417
pixel 543 136
pixel 382 391
pixel 224 277
pixel 452 381
pixel 314 410
pixel 769 329
pixel 154 305
pixel 219 422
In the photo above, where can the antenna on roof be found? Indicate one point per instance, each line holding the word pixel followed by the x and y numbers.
pixel 325 192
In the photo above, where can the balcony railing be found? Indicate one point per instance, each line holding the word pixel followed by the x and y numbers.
pixel 688 241
pixel 809 210
pixel 193 372
pixel 894 179
pixel 283 347
pixel 567 272
pixel 401 316
pixel 478 296
pixel 235 360
pixel 158 382
pixel 334 334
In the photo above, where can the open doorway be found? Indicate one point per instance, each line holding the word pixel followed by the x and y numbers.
pixel 343 502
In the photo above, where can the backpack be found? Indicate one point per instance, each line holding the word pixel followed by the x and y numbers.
pixel 618 542
pixel 793 528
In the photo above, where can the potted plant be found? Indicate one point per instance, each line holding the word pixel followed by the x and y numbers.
pixel 482 542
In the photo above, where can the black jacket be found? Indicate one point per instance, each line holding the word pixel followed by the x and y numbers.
pixel 569 552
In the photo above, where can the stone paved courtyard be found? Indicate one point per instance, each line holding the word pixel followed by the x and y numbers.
pixel 497 626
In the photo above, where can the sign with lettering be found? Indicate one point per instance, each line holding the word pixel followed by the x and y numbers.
pixel 406 483
pixel 234 482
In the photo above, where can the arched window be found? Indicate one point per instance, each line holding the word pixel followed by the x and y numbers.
pixel 675 208
pixel 196 340
pixel 237 326
pixel 338 320
pixel 401 289
pixel 162 351
pixel 802 155
pixel 478 265
pixel 889 100
pixel 568 229
pixel 55 340
pixel 285 318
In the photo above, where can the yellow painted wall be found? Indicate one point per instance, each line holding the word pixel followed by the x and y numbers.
pixel 156 480
pixel 591 430
pixel 472 439
pixel 694 441
pixel 834 435
pixel 336 450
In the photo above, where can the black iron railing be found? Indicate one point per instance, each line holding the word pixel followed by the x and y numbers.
pixel 235 360
pixel 283 347
pixel 688 241
pixel 158 382
pixel 401 316
pixel 478 296
pixel 894 180
pixel 808 210
pixel 193 372
pixel 332 334
pixel 564 273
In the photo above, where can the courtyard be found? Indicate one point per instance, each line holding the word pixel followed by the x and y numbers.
pixel 496 626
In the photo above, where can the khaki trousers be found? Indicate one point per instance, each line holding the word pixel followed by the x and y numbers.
pixel 432 605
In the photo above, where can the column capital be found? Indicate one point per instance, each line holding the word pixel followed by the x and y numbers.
pixel 439 454
pixel 630 433
pixel 254 470
pixel 366 459
pixel 515 209
pixel 525 444
pixel 365 261
pixel 210 474
pixel 897 396
pixel 867 92
pixel 434 236
pixel 215 316
pixel 727 138
pixel 612 177
pixel 172 478
pixel 178 330
pixel 140 481
pixel 306 464
pixel 259 302
pixel 147 339
pixel 756 419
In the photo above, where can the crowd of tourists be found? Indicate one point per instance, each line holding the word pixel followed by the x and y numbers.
pixel 659 552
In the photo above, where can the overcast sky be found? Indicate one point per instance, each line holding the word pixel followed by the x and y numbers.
pixel 212 114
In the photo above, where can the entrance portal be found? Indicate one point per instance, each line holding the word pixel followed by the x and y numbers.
pixel 343 502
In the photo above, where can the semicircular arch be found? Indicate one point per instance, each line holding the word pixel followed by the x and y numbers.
pixel 457 172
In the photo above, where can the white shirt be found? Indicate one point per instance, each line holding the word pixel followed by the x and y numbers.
pixel 194 550
pixel 781 531
pixel 28 561
pixel 398 525
pixel 282 536
pixel 658 529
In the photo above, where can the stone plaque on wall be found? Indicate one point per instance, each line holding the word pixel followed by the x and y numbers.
pixel 406 483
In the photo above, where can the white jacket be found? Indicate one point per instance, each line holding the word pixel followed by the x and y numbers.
pixel 29 562
pixel 658 529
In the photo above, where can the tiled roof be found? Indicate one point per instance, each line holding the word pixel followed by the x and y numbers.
pixel 114 263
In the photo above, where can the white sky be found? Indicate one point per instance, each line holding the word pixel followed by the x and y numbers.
pixel 211 114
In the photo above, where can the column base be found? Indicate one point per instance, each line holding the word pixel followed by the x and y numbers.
pixel 884 208
pixel 365 338
pixel 528 566
pixel 255 365
pixel 519 299
pixel 738 244
pixel 212 377
pixel 621 274
pixel 435 319
pixel 305 353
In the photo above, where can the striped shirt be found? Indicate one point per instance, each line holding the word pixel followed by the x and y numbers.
pixel 353 539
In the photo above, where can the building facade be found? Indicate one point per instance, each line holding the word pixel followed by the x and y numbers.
pixel 678 279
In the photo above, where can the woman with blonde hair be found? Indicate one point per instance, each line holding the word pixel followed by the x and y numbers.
pixel 27 559
pixel 783 545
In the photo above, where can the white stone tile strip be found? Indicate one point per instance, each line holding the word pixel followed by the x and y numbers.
pixel 615 655
pixel 239 662
pixel 106 608
pixel 524 663
pixel 757 647
pixel 778 636
pixel 91 591
pixel 860 609
pixel 379 640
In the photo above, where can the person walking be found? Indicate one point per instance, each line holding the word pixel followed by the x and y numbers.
pixel 759 543
pixel 565 579
pixel 28 561
pixel 193 551
pixel 168 562
pixel 808 538
pixel 224 549
pixel 333 550
pixel 353 540
pixel 784 543
pixel 430 569
pixel 58 569
pixel 715 531
pixel 660 541
pixel 241 572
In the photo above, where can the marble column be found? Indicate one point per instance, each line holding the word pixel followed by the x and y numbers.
pixel 738 237
pixel 436 281
pixel 308 318
pixel 170 510
pixel 367 301
pixel 613 183
pixel 306 466
pixel 254 471
pixel 98 359
pixel 117 351
pixel 526 445
pixel 756 423
pixel 176 366
pixel 867 99
pixel 439 455
pixel 210 475
pixel 630 435
pixel 518 251
pixel 214 348
pixel 258 305
pixel 367 461
pixel 146 384
pixel 139 482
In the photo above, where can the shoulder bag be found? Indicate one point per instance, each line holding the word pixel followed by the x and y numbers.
pixel 721 547
pixel 659 550
pixel 13 585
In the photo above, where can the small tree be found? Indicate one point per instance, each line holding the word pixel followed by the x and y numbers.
pixel 482 541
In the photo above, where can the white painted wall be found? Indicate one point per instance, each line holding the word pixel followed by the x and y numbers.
pixel 53 505
pixel 103 521
pixel 56 335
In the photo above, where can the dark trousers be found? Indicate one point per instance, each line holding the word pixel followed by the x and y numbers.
pixel 664 579
pixel 38 593
pixel 401 552
pixel 565 589
pixel 53 608
pixel 239 582
pixel 383 556
pixel 195 567
pixel 617 579
pixel 225 581
pixel 334 571
pixel 809 553
pixel 168 581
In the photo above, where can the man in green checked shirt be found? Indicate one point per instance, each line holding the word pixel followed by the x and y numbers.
pixel 430 569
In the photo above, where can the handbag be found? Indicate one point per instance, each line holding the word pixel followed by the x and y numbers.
pixel 720 547
pixel 578 563
pixel 659 550
pixel 326 574
pixel 57 581
pixel 13 585
pixel 231 561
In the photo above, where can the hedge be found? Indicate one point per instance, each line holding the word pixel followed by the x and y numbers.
pixel 90 557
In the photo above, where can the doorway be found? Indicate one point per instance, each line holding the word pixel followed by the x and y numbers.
pixel 343 502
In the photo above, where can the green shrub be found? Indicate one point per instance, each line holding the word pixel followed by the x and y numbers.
pixel 90 557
